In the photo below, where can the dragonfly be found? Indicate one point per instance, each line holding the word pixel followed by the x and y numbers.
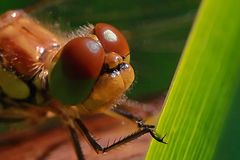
pixel 44 75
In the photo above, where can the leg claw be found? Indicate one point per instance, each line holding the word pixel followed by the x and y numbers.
pixel 158 138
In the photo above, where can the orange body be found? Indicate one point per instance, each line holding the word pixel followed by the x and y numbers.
pixel 24 43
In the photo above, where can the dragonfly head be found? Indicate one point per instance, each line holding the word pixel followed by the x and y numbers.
pixel 92 70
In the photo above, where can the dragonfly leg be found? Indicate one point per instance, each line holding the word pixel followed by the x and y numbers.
pixel 140 123
pixel 99 149
pixel 76 143
pixel 126 114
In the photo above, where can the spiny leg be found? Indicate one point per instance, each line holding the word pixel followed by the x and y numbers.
pixel 76 143
pixel 140 123
pixel 127 139
pixel 126 114
pixel 99 149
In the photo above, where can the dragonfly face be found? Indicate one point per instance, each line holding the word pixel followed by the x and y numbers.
pixel 99 59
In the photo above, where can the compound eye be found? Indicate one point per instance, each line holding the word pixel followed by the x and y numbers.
pixel 82 57
pixel 73 76
pixel 111 39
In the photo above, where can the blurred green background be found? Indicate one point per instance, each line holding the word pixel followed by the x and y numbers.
pixel 156 31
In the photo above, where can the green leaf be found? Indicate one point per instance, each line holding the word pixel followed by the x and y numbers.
pixel 202 107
